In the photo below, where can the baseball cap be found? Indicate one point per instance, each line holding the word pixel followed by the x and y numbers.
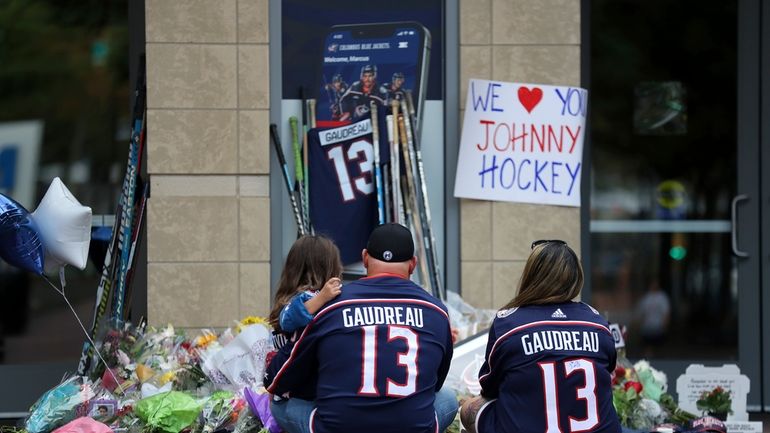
pixel 391 242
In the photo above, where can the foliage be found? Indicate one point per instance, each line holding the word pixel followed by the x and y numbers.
pixel 716 401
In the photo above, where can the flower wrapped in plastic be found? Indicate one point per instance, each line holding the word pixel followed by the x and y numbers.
pixel 169 412
pixel 220 411
pixel 241 362
pixel 60 405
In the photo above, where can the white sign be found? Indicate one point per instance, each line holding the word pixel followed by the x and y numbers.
pixel 522 143
pixel 19 160
pixel 698 379
pixel 744 426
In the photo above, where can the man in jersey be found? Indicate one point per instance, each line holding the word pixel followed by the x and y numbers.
pixel 380 353
pixel 356 101
pixel 395 89
pixel 549 359
pixel 336 89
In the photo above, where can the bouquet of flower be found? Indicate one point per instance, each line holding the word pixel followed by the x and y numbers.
pixel 716 403
pixel 640 398
pixel 221 410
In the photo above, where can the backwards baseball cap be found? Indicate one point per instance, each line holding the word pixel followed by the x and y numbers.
pixel 391 242
pixel 707 424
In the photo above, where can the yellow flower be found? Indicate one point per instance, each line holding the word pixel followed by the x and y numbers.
pixel 253 320
pixel 250 320
pixel 205 339
pixel 167 377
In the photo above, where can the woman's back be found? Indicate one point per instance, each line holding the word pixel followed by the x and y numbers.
pixel 549 366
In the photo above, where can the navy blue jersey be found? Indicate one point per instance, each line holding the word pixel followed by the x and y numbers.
pixel 548 367
pixel 379 352
pixel 343 200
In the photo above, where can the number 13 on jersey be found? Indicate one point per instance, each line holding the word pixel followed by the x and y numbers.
pixel 407 360
pixel 360 152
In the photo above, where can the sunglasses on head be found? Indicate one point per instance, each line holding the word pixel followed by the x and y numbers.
pixel 545 241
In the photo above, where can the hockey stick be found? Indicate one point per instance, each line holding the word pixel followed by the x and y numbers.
pixel 413 208
pixel 127 223
pixel 299 182
pixel 395 176
pixel 286 177
pixel 110 265
pixel 430 238
pixel 306 187
pixel 377 170
pixel 139 219
pixel 390 192
pixel 311 104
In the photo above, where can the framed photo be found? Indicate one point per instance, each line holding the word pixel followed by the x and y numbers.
pixel 100 409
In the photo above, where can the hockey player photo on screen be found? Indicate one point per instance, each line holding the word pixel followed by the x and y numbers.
pixel 370 62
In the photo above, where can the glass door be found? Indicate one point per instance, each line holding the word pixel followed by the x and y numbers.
pixel 674 204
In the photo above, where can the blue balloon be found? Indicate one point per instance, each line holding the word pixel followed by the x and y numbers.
pixel 20 243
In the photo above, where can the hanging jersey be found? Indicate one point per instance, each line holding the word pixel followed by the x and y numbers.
pixel 379 351
pixel 548 368
pixel 343 200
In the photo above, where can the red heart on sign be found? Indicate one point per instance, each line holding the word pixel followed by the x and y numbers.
pixel 530 98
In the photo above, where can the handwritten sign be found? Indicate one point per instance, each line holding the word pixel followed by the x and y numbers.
pixel 698 379
pixel 522 143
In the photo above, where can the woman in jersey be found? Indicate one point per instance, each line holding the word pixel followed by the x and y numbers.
pixel 549 358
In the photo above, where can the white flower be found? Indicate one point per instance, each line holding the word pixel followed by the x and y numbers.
pixel 123 358
pixel 642 365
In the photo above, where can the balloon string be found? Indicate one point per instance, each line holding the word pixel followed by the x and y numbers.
pixel 107 367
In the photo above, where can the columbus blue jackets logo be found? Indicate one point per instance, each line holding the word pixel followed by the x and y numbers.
pixel 505 313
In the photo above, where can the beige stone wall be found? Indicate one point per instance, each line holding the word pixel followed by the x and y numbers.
pixel 208 152
pixel 531 41
pixel 208 159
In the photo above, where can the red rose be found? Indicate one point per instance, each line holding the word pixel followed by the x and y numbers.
pixel 631 384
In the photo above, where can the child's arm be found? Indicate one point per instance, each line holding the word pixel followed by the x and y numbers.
pixel 330 290
pixel 294 315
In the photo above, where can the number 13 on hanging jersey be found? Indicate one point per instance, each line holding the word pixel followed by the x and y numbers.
pixel 343 204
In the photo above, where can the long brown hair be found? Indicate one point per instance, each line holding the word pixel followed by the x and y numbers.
pixel 553 274
pixel 311 261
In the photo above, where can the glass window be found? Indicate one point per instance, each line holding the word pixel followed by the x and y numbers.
pixel 663 123
pixel 64 72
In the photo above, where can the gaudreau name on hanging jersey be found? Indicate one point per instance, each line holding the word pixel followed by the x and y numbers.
pixel 549 369
pixel 343 200
pixel 379 352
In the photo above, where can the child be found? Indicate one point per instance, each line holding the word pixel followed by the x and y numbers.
pixel 310 279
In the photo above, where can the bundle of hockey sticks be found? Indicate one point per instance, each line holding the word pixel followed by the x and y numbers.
pixel 402 193
pixel 299 191
pixel 117 272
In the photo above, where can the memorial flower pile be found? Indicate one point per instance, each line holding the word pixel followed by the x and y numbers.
pixel 164 380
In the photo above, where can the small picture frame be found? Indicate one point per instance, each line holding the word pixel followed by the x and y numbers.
pixel 101 409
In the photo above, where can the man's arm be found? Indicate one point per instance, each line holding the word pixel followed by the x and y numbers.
pixel 294 364
pixel 446 362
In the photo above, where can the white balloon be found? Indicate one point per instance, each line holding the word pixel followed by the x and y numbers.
pixel 65 226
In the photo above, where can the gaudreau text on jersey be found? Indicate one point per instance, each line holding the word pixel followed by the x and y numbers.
pixel 585 341
pixel 370 315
